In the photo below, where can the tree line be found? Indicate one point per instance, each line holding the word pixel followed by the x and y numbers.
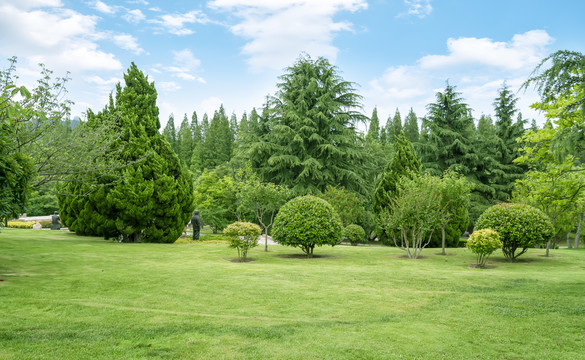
pixel 306 139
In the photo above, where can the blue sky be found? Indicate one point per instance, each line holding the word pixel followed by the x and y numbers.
pixel 201 54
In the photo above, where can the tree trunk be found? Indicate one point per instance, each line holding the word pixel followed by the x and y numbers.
pixel 569 240
pixel 265 239
pixel 547 247
pixel 443 240
pixel 578 234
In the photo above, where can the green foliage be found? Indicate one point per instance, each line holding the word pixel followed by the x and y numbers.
pixel 554 156
pixel 243 236
pixel 563 79
pixel 448 143
pixel 483 243
pixel 170 133
pixel 185 142
pixel 455 193
pixel 215 198
pixel 307 137
pixel 414 213
pixel 355 234
pixel 152 199
pixel 42 202
pixel 373 135
pixel 393 127
pixel 404 163
pixel 347 204
pixel 411 127
pixel 520 226
pixel 262 199
pixel 306 222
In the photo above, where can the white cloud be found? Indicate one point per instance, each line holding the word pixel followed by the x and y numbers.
pixel 278 31
pixel 523 50
pixel 103 7
pixel 134 16
pixel 176 23
pixel 62 39
pixel 209 105
pixel 477 66
pixel 128 42
pixel 185 66
pixel 139 2
pixel 95 79
pixel 418 8
pixel 168 86
pixel 30 4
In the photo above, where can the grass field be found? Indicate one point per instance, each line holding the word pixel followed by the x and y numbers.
pixel 69 297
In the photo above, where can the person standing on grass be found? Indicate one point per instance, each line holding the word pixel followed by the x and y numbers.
pixel 196 223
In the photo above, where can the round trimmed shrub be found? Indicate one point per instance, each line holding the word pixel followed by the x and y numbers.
pixel 306 222
pixel 243 236
pixel 520 226
pixel 483 243
pixel 355 234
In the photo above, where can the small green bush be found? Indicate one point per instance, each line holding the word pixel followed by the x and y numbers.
pixel 20 224
pixel 355 234
pixel 306 222
pixel 520 226
pixel 242 236
pixel 483 243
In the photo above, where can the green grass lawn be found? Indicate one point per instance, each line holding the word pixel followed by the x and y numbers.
pixel 69 297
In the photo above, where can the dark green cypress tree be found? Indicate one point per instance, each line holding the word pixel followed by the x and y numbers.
pixel 403 163
pixel 150 199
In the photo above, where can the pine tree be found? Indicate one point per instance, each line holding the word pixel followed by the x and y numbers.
pixel 170 133
pixel 312 140
pixel 447 143
pixel 185 142
pixel 507 132
pixel 152 199
pixel 394 127
pixel 411 127
pixel 373 135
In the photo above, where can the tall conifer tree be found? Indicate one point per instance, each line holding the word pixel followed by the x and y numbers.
pixel 312 140
pixel 151 198
pixel 373 135
pixel 411 127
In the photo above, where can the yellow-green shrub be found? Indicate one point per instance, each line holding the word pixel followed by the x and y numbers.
pixel 20 224
pixel 483 243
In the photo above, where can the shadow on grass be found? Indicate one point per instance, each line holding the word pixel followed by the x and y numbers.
pixel 303 256
pixel 405 256
pixel 475 266
pixel 237 260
